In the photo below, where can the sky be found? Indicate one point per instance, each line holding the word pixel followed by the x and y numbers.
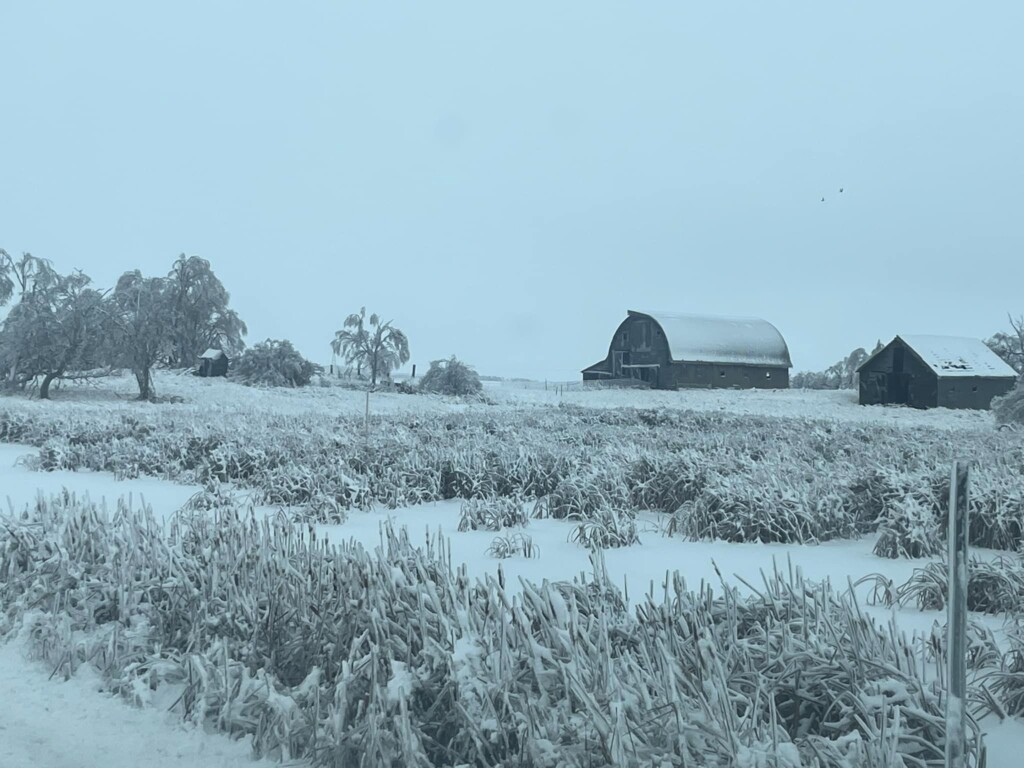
pixel 505 180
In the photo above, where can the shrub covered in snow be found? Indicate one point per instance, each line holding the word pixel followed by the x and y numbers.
pixel 1009 409
pixel 451 377
pixel 273 363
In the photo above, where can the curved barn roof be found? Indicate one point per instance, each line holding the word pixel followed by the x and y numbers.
pixel 709 339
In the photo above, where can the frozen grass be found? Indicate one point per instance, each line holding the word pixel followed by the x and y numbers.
pixel 339 656
pixel 492 514
pixel 513 545
pixel 259 627
pixel 718 476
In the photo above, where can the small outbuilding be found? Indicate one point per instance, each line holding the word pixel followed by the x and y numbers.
pixel 213 362
pixel 934 372
pixel 668 350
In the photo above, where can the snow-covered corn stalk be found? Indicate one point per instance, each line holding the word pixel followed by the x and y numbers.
pixel 254 627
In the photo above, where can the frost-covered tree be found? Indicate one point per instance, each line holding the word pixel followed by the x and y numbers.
pixel 138 322
pixel 6 283
pixel 54 330
pixel 23 277
pixel 451 377
pixel 350 341
pixel 377 346
pixel 841 375
pixel 200 317
pixel 1009 409
pixel 1009 345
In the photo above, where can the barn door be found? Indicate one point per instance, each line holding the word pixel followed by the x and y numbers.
pixel 878 387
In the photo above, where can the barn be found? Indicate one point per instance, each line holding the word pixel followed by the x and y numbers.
pixel 667 350
pixel 213 362
pixel 934 372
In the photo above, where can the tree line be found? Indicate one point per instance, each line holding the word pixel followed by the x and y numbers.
pixel 1008 345
pixel 62 327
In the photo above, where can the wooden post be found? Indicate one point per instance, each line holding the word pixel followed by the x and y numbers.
pixel 414 370
pixel 956 622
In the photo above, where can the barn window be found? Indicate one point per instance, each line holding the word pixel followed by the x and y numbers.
pixel 721 374
pixel 625 337
pixel 767 374
pixel 974 388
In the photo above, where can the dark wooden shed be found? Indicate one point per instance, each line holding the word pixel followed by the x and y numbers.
pixel 213 362
pixel 668 350
pixel 934 372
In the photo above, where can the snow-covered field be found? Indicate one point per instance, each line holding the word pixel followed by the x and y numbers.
pixel 214 395
pixel 52 723
pixel 46 722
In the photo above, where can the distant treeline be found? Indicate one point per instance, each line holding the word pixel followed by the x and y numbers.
pixel 62 327
pixel 1009 345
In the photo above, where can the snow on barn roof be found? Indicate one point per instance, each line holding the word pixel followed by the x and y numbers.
pixel 212 354
pixel 952 356
pixel 709 339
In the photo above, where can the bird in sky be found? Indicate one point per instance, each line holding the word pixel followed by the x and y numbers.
pixel 840 190
pixel 823 199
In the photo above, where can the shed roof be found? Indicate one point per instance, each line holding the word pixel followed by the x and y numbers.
pixel 955 356
pixel 710 339
pixel 212 354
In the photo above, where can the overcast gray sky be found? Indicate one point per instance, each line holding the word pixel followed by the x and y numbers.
pixel 505 180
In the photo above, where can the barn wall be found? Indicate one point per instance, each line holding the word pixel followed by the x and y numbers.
pixel 214 367
pixel 974 392
pixel 629 338
pixel 880 385
pixel 727 376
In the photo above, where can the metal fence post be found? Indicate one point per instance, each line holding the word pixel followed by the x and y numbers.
pixel 956 624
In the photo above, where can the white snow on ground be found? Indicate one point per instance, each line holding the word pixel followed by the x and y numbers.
pixel 55 724
pixel 20 487
pixel 1005 743
pixel 219 398
pixel 52 723
pixel 645 567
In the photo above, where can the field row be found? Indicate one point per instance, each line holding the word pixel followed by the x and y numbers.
pixel 252 627
pixel 717 476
